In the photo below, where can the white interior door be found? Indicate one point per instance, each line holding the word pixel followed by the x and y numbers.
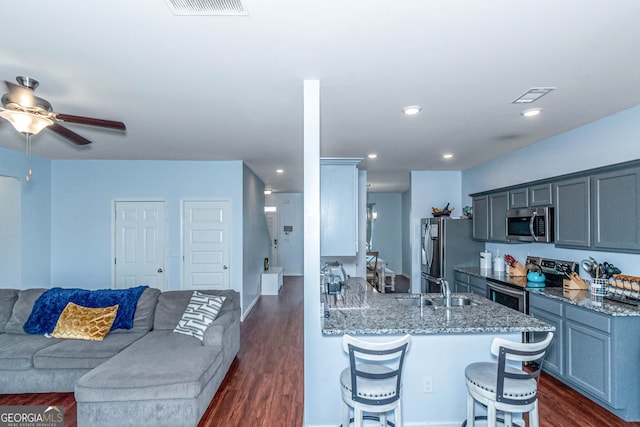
pixel 10 233
pixel 140 231
pixel 206 231
pixel 272 224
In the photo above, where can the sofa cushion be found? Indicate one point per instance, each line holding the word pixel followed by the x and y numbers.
pixel 81 354
pixel 48 307
pixel 22 309
pixel 172 304
pixel 201 311
pixel 8 298
pixel 84 323
pixel 145 311
pixel 17 350
pixel 160 365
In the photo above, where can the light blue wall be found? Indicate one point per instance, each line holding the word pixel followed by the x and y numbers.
pixel 406 233
pixel 82 195
pixel 430 189
pixel 613 139
pixel 387 229
pixel 35 210
pixel 255 241
pixel 290 246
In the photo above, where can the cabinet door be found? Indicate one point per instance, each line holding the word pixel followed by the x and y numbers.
pixel 540 195
pixel 498 206
pixel 554 359
pixel 481 218
pixel 616 209
pixel 589 359
pixel 338 209
pixel 461 287
pixel 572 213
pixel 519 198
pixel 478 286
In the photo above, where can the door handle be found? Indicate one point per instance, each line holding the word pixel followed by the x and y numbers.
pixel 159 270
pixel 225 267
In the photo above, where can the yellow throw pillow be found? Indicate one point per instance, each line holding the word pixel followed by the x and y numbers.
pixel 84 323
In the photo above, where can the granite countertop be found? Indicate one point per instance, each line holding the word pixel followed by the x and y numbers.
pixel 384 314
pixel 580 298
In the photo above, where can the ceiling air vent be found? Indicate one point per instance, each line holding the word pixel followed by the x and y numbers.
pixel 208 7
pixel 532 95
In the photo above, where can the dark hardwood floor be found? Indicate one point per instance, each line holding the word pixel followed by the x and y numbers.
pixel 264 386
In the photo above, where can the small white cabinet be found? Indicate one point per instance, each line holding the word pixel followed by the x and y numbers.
pixel 271 281
pixel 338 207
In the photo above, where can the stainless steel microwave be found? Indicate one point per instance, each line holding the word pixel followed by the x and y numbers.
pixel 530 224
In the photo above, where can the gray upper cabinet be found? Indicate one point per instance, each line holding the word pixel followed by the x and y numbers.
pixel 338 207
pixel 481 217
pixel 572 212
pixel 616 209
pixel 540 195
pixel 498 206
pixel 519 198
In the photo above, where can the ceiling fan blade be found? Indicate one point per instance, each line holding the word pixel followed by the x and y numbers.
pixel 68 134
pixel 20 94
pixel 90 121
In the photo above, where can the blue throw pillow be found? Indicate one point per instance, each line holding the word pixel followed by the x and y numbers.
pixel 49 306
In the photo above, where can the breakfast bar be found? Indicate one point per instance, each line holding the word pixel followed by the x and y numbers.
pixel 444 341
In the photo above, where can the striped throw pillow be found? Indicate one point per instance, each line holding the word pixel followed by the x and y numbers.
pixel 200 313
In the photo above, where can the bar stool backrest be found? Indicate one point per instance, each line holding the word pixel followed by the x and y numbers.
pixel 375 361
pixel 519 352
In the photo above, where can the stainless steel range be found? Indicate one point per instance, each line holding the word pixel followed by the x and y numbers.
pixel 513 291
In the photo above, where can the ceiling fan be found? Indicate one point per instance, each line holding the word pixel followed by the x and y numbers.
pixel 30 114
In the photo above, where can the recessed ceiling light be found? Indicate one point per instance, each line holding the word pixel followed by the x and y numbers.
pixel 531 112
pixel 372 155
pixel 412 110
pixel 447 156
pixel 267 192
pixel 279 170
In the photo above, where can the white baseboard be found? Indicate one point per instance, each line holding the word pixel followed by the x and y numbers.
pixel 246 312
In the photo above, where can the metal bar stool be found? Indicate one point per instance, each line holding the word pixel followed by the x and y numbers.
pixel 503 387
pixel 373 379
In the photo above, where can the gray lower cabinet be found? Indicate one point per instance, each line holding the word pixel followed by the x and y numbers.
pixel 550 311
pixel 594 353
pixel 461 282
pixel 588 337
pixel 478 286
pixel 616 209
pixel 572 212
pixel 481 217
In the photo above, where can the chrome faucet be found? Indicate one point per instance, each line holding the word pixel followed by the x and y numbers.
pixel 445 290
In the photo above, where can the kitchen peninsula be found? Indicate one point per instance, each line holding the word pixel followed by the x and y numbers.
pixel 444 341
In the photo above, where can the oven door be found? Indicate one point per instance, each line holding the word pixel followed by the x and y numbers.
pixel 510 297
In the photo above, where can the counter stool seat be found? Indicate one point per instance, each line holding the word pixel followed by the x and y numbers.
pixel 372 382
pixel 506 388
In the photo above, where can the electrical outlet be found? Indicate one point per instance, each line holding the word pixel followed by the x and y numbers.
pixel 428 384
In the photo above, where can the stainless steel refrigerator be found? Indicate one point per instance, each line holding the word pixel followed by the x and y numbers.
pixel 446 243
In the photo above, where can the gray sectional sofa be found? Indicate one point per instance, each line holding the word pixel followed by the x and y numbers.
pixel 144 376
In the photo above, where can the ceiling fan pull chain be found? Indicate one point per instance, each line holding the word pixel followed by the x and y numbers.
pixel 29 170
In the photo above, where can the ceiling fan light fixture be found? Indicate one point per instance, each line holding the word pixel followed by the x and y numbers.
pixel 412 110
pixel 26 123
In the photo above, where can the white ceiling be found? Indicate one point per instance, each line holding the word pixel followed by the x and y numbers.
pixel 230 88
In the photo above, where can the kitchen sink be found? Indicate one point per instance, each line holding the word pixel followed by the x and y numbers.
pixel 455 302
pixel 413 301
